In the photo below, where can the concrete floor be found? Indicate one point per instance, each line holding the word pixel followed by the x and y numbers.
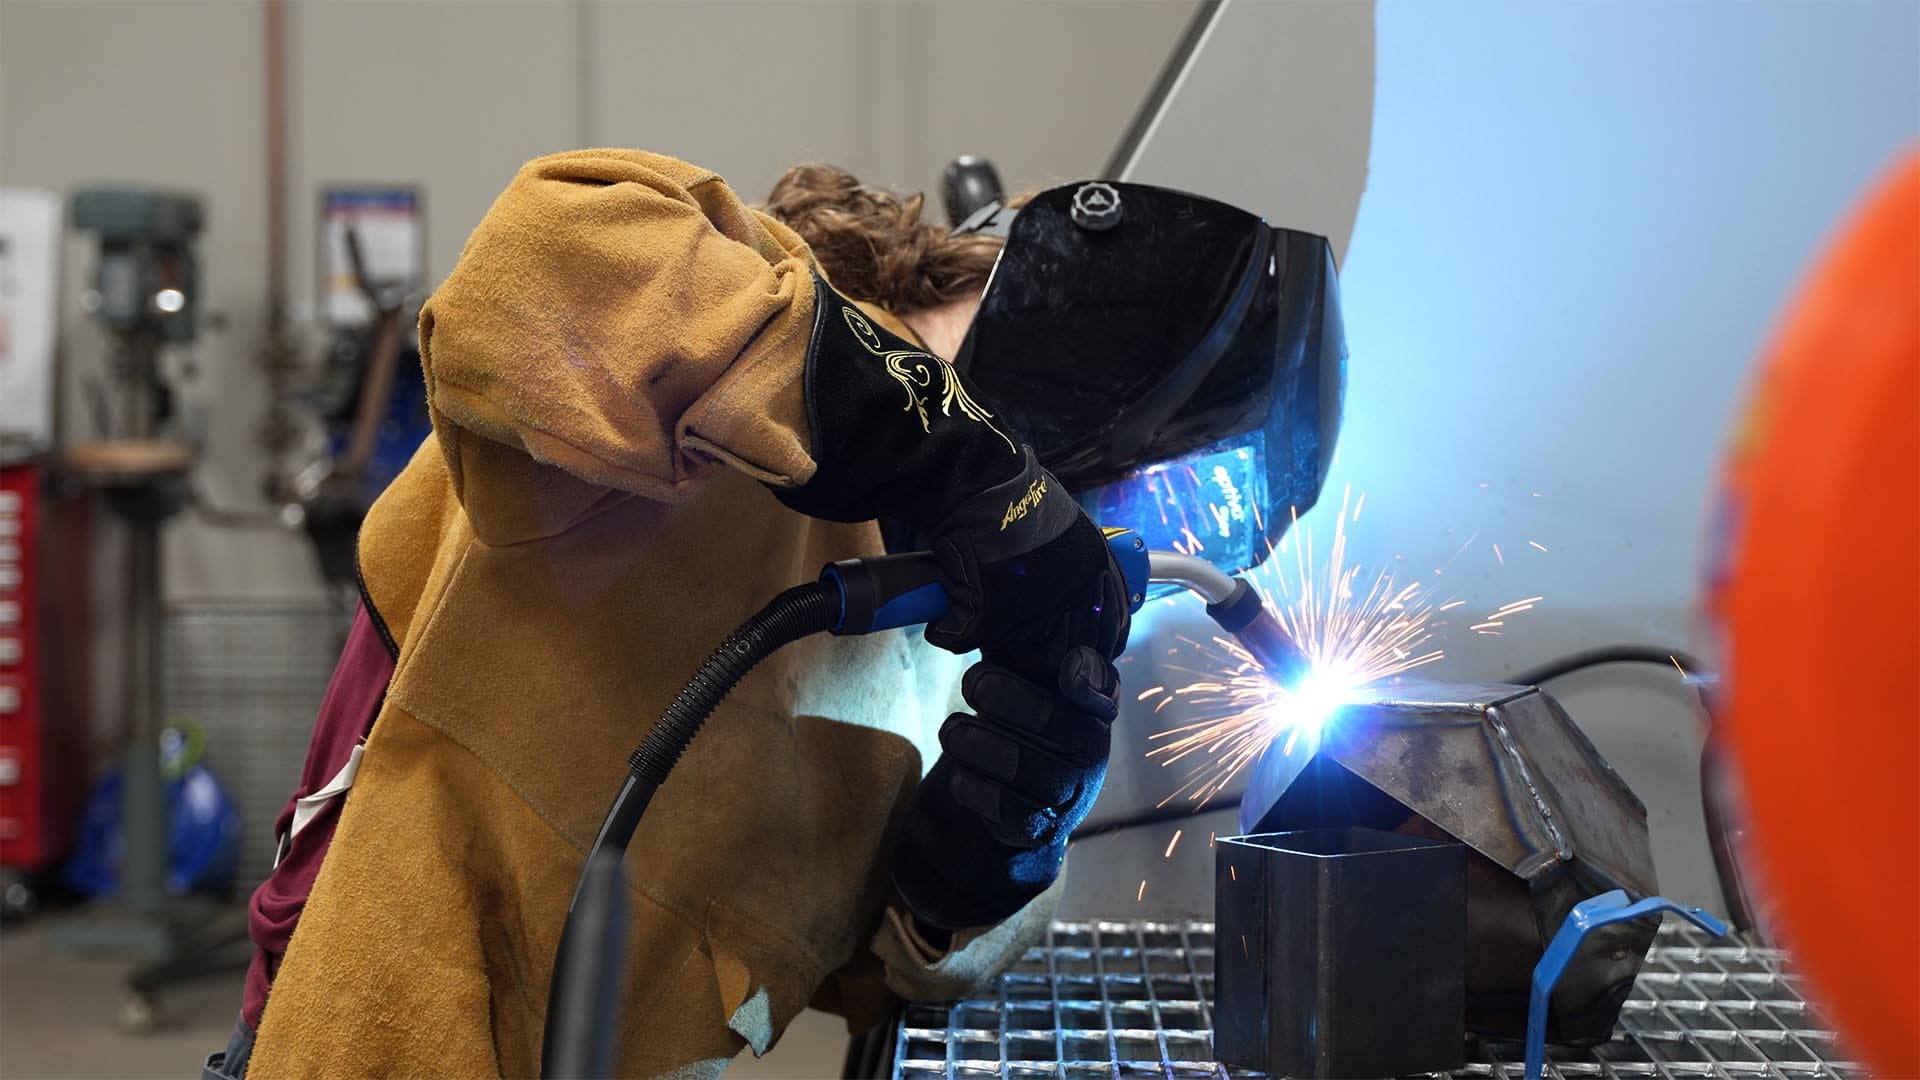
pixel 57 1020
pixel 57 1014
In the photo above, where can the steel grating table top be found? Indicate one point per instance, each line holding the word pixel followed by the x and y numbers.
pixel 1134 999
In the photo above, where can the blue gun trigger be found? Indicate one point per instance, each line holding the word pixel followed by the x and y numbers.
pixel 911 608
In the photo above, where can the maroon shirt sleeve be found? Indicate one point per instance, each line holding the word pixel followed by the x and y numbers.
pixel 346 716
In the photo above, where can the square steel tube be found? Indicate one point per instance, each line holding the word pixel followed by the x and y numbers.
pixel 1340 953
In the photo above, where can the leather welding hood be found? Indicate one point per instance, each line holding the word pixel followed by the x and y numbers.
pixel 1159 349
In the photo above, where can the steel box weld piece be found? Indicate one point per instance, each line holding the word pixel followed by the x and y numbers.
pixel 1503 770
pixel 1340 953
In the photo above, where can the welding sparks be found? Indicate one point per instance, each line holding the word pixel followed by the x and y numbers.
pixel 1171 843
pixel 1353 633
pixel 1142 894
pixel 1677 667
pixel 1355 629
pixel 1462 551
pixel 1515 607
pixel 1150 691
pixel 1497 555
pixel 1536 544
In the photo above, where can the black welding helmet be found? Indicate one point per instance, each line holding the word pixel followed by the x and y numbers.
pixel 1177 362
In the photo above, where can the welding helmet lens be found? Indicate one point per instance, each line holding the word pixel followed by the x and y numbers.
pixel 1176 361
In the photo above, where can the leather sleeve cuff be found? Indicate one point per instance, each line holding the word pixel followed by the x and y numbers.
pixel 975 956
pixel 926 945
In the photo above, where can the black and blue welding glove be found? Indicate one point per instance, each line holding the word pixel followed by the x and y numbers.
pixel 1030 582
pixel 989 825
pixel 1028 576
pixel 896 431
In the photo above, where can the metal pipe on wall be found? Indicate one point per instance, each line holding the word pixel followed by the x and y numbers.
pixel 276 99
pixel 278 354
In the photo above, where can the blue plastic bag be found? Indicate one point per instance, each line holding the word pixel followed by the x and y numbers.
pixel 203 828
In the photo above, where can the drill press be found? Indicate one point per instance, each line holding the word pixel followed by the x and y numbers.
pixel 144 293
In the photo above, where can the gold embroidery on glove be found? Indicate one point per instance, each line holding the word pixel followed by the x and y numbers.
pixel 914 371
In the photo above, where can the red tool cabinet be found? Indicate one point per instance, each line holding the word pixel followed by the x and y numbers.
pixel 43 651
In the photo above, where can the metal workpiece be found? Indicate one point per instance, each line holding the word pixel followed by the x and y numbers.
pixel 1503 770
pixel 1112 999
pixel 1344 954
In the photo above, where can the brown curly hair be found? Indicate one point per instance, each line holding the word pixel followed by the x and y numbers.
pixel 872 244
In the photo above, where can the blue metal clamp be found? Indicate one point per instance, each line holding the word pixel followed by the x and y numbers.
pixel 1595 911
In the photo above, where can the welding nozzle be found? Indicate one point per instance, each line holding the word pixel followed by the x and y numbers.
pixel 1244 616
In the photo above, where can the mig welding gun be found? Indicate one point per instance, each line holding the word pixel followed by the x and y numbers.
pixel 854 596
pixel 864 596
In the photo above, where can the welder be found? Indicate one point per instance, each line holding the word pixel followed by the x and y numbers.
pixel 654 408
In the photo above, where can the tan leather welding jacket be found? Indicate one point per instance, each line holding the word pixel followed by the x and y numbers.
pixel 551 567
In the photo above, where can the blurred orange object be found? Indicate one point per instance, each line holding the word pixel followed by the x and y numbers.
pixel 1817 601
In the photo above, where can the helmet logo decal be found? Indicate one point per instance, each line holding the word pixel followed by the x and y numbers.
pixel 1096 206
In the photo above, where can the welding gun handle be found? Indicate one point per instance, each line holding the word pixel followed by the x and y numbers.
pixel 886 591
pixel 889 591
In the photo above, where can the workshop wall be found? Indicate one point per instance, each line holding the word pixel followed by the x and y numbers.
pixel 165 94
pixel 1578 226
pixel 453 97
